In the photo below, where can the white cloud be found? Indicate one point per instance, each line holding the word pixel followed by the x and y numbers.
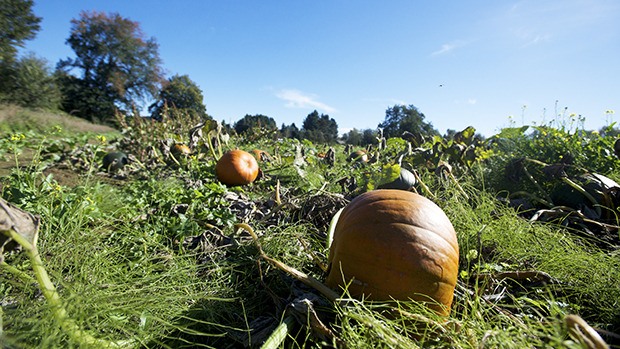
pixel 449 47
pixel 469 101
pixel 297 99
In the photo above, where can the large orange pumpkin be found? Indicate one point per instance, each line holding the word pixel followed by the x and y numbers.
pixel 236 167
pixel 395 244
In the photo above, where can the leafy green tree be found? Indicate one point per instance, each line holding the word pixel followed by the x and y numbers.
pixel 182 94
pixel 369 136
pixel 353 137
pixel 360 138
pixel 17 25
pixel 115 66
pixel 253 122
pixel 32 84
pixel 319 128
pixel 401 118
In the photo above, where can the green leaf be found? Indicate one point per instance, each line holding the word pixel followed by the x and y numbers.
pixel 512 132
pixel 389 173
pixel 465 136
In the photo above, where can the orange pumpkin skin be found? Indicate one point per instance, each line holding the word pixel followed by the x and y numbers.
pixel 179 150
pixel 358 156
pixel 236 167
pixel 395 244
pixel 261 155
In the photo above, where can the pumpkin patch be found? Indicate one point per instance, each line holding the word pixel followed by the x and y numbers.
pixel 393 244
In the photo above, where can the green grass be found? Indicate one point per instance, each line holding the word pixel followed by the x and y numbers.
pixel 152 255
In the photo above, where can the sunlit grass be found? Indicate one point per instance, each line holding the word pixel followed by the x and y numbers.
pixel 156 260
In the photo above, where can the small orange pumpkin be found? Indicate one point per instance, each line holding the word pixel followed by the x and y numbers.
pixel 261 155
pixel 179 150
pixel 236 167
pixel 394 244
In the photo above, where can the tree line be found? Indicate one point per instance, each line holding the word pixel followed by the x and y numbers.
pixel 117 67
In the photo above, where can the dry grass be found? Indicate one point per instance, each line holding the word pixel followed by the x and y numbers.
pixel 14 118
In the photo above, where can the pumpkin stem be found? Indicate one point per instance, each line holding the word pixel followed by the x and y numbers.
pixel 278 200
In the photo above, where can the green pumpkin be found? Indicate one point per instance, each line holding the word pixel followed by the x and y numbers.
pixel 114 161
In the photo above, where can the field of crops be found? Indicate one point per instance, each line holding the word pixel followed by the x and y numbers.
pixel 152 250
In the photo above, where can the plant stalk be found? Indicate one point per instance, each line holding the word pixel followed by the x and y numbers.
pixel 301 276
pixel 53 298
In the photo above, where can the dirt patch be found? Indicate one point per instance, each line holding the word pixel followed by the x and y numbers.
pixel 7 163
pixel 64 177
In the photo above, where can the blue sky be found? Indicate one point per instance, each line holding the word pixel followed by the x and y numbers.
pixel 488 64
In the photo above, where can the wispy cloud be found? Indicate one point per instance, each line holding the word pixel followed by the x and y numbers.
pixel 529 37
pixel 449 47
pixel 537 39
pixel 297 99
pixel 533 22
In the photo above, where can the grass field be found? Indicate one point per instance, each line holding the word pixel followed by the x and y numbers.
pixel 153 256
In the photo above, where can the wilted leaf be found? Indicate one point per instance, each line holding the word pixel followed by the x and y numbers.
pixel 14 219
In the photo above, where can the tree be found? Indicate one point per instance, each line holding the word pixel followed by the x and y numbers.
pixel 353 137
pixel 116 66
pixel 290 131
pixel 182 94
pixel 17 25
pixel 319 128
pixel 369 136
pixel 360 138
pixel 401 118
pixel 253 122
pixel 31 84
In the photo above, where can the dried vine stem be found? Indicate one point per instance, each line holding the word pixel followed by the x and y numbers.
pixel 584 332
pixel 301 276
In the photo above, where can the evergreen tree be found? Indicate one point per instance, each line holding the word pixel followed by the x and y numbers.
pixel 290 131
pixel 319 128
